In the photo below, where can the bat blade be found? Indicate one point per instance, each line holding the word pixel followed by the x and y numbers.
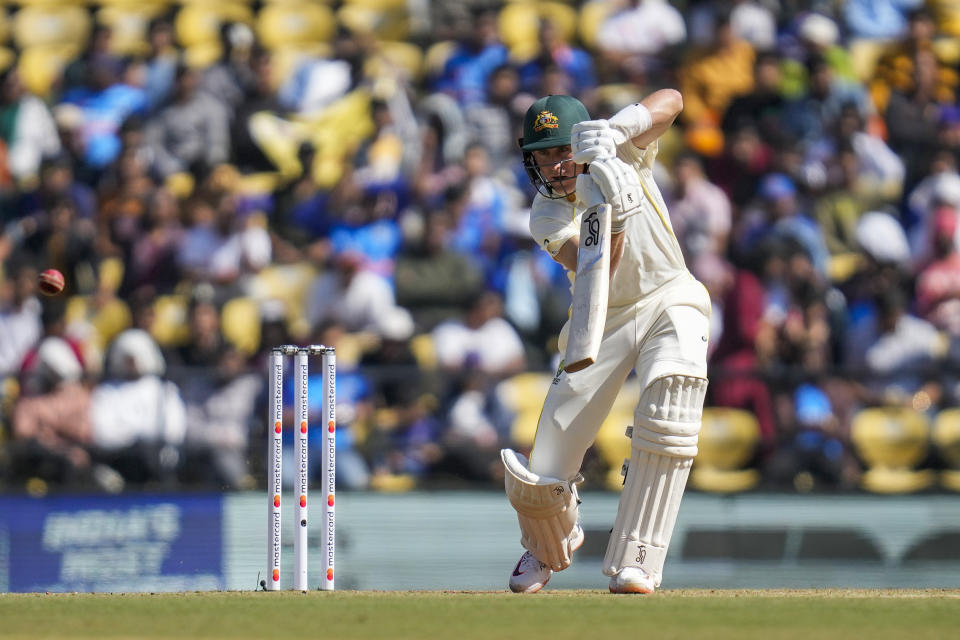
pixel 590 289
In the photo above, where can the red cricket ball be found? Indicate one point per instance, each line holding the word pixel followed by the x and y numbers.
pixel 51 282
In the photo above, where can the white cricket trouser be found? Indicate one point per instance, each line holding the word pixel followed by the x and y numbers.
pixel 662 337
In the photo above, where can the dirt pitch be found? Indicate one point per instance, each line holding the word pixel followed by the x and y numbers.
pixel 427 615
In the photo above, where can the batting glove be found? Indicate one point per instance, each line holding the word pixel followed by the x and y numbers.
pixel 621 189
pixel 593 140
pixel 587 190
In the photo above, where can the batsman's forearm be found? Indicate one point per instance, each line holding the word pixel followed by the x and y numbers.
pixel 664 107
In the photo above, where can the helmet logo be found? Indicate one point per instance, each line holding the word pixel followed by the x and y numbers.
pixel 545 120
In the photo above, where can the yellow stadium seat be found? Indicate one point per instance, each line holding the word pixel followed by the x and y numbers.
pixel 525 389
pixel 436 56
pixel 424 351
pixel 947 15
pixel 110 274
pixel 387 23
pixel 592 15
pixel 293 24
pixel 891 441
pixel 202 54
pixel 287 285
pixel 618 94
pixel 40 67
pixel 519 25
pixel 394 57
pixel 728 441
pixel 379 5
pixel 523 395
pixel 392 483
pixel 199 23
pixel 240 324
pixel 7 58
pixel 51 24
pixel 335 132
pixel 129 21
pixel 728 438
pixel 170 326
pixel 946 439
pixel 106 317
pixel 864 54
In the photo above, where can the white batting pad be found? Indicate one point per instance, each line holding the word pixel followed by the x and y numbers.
pixel 663 445
pixel 547 510
pixel 647 513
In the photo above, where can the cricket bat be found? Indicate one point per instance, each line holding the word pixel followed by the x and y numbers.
pixel 590 288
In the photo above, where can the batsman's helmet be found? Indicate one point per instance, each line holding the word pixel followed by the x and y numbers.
pixel 547 124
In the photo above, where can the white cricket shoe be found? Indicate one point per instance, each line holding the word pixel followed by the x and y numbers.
pixel 530 574
pixel 632 580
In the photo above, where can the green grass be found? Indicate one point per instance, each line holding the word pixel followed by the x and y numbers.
pixel 424 615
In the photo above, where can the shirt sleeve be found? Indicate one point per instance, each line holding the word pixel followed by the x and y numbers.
pixel 644 157
pixel 552 223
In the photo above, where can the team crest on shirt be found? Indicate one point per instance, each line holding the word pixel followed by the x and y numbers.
pixel 546 120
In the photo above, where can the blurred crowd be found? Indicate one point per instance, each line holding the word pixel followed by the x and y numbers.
pixel 218 178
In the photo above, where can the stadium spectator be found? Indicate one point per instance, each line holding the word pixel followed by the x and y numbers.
pixel 745 159
pixel 912 119
pixel 206 344
pixel 152 259
pixel 218 244
pixel 59 180
pixel 354 297
pixel 161 63
pixel 484 340
pixel 138 418
pixel 938 285
pixel 940 188
pixel 112 93
pixel 637 33
pixel 432 280
pixel 754 22
pixel 28 134
pixel 902 360
pixel 813 453
pixel 220 404
pixel 814 115
pixel 230 79
pixel 192 134
pixel 493 122
pixel 710 77
pixel 51 421
pixel 763 106
pixel 700 211
pixel 778 214
pixel 878 19
pixel 478 52
pixel 745 347
pixel 20 314
pixel 555 52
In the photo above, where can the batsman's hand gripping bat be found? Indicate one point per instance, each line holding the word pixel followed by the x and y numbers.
pixel 592 284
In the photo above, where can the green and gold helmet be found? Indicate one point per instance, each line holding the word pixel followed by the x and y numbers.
pixel 547 124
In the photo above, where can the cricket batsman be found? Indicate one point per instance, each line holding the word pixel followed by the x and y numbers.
pixel 655 321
